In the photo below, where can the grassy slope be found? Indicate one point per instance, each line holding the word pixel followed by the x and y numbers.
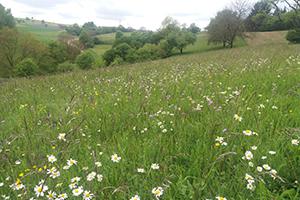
pixel 109 110
pixel 38 29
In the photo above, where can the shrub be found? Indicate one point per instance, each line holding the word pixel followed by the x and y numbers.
pixel 150 52
pixel 117 61
pixel 293 36
pixel 109 56
pixel 26 67
pixel 85 60
pixel 122 50
pixel 66 67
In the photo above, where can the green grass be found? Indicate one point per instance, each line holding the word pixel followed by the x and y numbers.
pixel 109 38
pixel 147 113
pixel 40 30
pixel 201 44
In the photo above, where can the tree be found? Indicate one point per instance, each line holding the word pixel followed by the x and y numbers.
pixel 194 28
pixel 294 5
pixel 225 27
pixel 176 35
pixel 6 18
pixel 15 47
pixel 86 39
pixel 71 44
pixel 119 35
pixel 293 36
pixel 258 15
pixel 74 29
pixel 85 60
pixel 109 56
pixel 90 28
pixel 26 67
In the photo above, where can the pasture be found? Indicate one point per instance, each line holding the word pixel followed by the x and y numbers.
pixel 199 126
pixel 45 32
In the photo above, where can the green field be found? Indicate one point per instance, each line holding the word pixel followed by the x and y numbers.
pixel 45 32
pixel 169 112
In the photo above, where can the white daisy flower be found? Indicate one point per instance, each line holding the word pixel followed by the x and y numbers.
pixel 136 197
pixel 248 155
pixel 157 191
pixel 51 158
pixel 77 191
pixel 115 158
pixel 40 190
pixel 155 166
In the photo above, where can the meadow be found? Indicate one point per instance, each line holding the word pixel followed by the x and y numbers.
pixel 45 32
pixel 212 125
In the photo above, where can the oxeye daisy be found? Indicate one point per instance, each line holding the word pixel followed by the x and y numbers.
pixel 248 155
pixel 51 158
pixel 115 158
pixel 136 197
pixel 220 198
pixel 91 176
pixel 157 191
pixel 17 185
pixel 237 118
pixel 62 196
pixel 71 162
pixel 295 142
pixel 87 195
pixel 51 195
pixel 141 170
pixel 154 166
pixel 40 190
pixel 77 191
pixel 62 136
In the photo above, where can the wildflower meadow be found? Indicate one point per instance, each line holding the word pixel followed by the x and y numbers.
pixel 222 124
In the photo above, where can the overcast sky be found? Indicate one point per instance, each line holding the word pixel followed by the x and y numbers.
pixel 134 13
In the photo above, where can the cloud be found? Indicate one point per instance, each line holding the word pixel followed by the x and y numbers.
pixel 41 4
pixel 134 13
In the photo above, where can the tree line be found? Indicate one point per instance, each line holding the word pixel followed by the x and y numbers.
pixel 149 45
pixel 264 15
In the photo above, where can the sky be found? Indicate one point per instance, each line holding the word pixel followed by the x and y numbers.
pixel 129 13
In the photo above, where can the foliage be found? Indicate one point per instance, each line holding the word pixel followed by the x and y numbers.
pixel 109 56
pixel 85 60
pixel 194 28
pixel 6 18
pixel 92 29
pixel 149 52
pixel 15 47
pixel 225 27
pixel 86 39
pixel 293 36
pixel 74 29
pixel 269 15
pixel 26 67
pixel 138 45
pixel 66 67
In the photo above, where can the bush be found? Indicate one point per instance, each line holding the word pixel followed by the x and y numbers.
pixel 293 36
pixel 109 56
pixel 122 50
pixel 66 67
pixel 85 60
pixel 150 52
pixel 118 61
pixel 26 67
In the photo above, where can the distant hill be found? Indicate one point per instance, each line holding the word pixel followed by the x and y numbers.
pixel 44 31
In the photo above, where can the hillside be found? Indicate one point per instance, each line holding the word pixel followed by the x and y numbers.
pixel 44 31
pixel 266 38
pixel 197 126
